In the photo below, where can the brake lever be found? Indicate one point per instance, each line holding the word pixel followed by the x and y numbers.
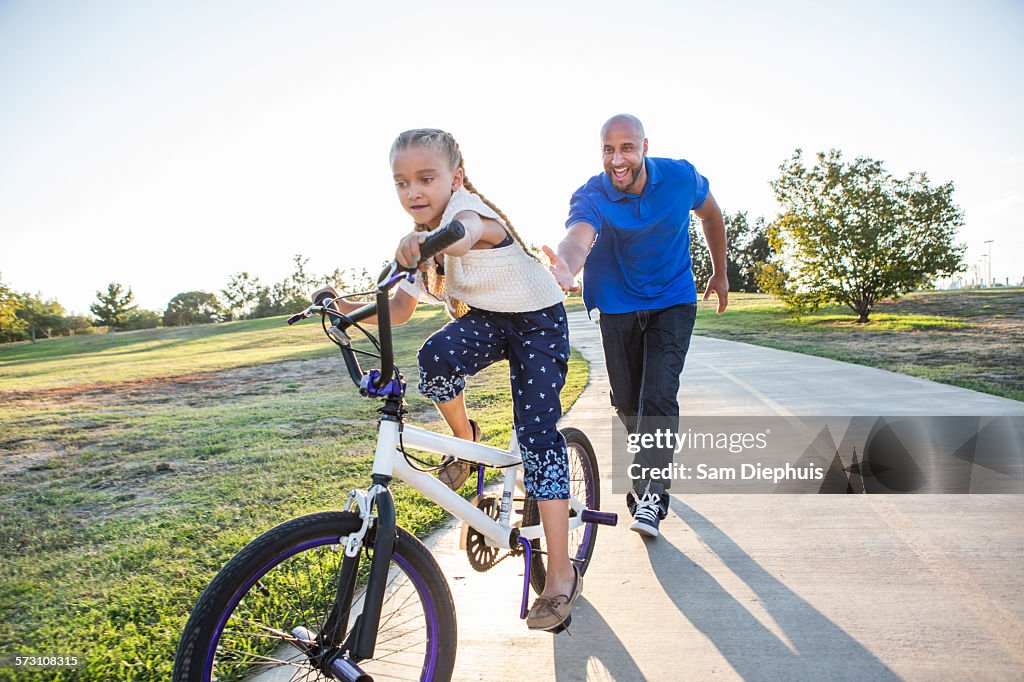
pixel 298 317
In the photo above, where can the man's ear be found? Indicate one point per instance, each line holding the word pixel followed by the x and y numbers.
pixel 645 146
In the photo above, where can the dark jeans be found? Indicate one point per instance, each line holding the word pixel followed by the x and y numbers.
pixel 644 352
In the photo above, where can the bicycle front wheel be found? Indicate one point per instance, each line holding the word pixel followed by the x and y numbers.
pixel 264 616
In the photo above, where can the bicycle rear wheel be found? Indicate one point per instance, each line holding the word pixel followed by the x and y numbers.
pixel 260 617
pixel 585 486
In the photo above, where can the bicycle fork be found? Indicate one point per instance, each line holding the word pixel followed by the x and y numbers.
pixel 340 658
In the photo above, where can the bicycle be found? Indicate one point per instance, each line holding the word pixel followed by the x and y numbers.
pixel 299 594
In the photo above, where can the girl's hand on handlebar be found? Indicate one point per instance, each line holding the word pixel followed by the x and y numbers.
pixel 408 253
pixel 329 290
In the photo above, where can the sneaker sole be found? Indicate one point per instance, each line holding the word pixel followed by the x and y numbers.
pixel 644 529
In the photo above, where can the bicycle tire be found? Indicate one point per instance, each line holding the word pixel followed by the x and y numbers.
pixel 244 620
pixel 584 485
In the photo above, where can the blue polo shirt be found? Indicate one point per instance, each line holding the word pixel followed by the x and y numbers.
pixel 641 259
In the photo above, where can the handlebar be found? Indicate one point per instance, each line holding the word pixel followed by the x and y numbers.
pixel 392 274
pixel 439 240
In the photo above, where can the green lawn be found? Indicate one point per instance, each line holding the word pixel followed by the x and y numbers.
pixel 135 465
pixel 968 338
pixel 175 351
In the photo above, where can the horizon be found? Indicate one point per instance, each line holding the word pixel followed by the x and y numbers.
pixel 168 148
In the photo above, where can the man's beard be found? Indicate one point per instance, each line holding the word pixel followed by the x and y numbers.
pixel 632 180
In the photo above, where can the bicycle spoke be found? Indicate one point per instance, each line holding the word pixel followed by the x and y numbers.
pixel 260 660
pixel 395 651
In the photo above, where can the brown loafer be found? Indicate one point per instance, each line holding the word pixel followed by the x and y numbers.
pixel 454 472
pixel 554 613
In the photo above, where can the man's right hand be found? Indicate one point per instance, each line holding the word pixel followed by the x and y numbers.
pixel 559 268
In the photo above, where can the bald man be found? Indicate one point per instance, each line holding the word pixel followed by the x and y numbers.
pixel 629 227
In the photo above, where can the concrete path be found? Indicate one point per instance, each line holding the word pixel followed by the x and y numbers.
pixel 771 587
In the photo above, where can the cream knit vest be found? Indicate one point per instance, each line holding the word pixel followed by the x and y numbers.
pixel 502 280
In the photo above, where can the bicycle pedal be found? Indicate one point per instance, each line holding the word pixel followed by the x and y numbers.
pixel 561 627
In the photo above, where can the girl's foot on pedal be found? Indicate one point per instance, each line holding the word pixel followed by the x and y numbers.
pixel 553 613
pixel 454 472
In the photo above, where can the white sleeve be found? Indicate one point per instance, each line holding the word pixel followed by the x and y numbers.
pixel 416 290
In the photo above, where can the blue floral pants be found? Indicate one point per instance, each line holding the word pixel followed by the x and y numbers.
pixel 536 345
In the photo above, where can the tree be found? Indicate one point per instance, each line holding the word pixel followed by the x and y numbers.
pixel 290 294
pixel 354 281
pixel 42 318
pixel 113 307
pixel 241 293
pixel 143 319
pixel 78 324
pixel 699 255
pixel 854 234
pixel 12 327
pixel 746 247
pixel 191 307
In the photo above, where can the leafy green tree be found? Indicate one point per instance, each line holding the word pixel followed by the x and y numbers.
pixel 699 255
pixel 746 247
pixel 12 327
pixel 78 324
pixel 143 319
pixel 113 307
pixel 353 281
pixel 772 278
pixel 191 307
pixel 42 318
pixel 290 294
pixel 241 293
pixel 854 234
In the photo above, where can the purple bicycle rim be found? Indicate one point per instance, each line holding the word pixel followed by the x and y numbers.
pixel 421 588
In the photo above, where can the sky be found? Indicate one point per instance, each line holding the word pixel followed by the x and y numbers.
pixel 169 145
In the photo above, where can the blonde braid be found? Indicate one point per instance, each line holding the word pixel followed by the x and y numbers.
pixel 508 224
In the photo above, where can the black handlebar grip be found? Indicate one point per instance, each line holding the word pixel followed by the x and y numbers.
pixel 441 239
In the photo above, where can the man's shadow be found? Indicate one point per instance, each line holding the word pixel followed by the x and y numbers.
pixel 821 650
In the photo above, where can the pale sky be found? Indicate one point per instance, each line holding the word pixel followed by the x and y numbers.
pixel 169 145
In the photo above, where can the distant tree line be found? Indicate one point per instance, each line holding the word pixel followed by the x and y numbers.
pixel 25 316
pixel 848 232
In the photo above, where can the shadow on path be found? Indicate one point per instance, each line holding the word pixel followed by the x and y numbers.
pixel 818 649
pixel 577 659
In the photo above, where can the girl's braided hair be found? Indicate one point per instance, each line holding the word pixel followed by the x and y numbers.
pixel 445 145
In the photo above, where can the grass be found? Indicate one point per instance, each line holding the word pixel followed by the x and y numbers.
pixel 176 351
pixel 969 338
pixel 133 466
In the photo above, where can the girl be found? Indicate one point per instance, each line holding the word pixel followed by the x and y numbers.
pixel 505 305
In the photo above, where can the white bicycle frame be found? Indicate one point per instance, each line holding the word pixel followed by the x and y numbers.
pixel 389 461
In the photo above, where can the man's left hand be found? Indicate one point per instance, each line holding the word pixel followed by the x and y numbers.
pixel 719 284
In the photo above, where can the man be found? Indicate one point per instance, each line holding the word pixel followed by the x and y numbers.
pixel 630 227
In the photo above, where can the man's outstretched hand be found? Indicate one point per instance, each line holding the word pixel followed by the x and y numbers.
pixel 560 270
pixel 720 285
